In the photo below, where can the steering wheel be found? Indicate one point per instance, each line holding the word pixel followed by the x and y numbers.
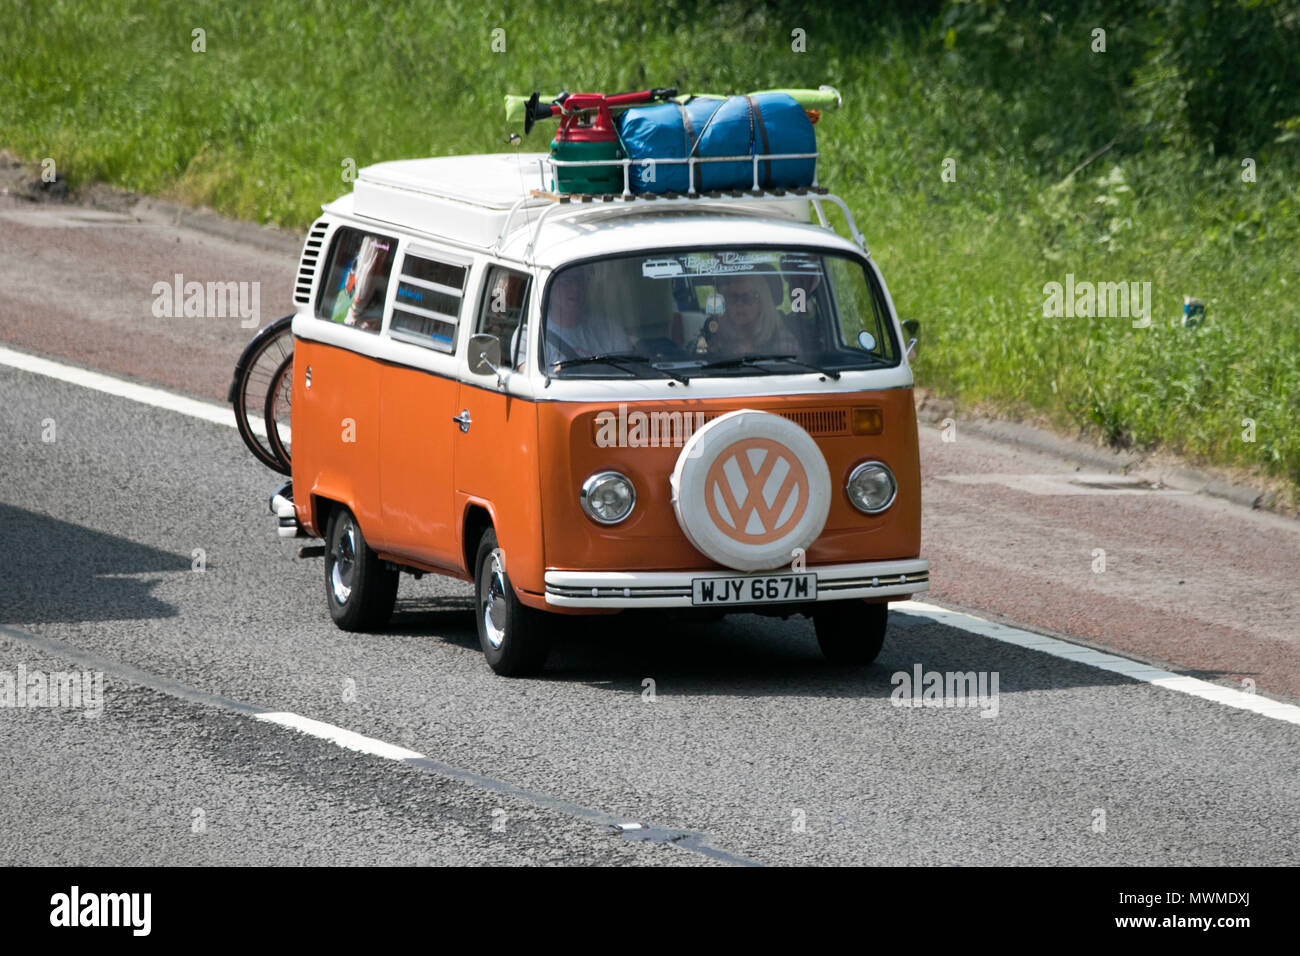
pixel 564 351
pixel 661 348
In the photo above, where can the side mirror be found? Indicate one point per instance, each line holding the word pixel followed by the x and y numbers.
pixel 485 356
pixel 912 331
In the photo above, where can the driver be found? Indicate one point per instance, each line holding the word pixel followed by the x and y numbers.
pixel 750 323
pixel 571 331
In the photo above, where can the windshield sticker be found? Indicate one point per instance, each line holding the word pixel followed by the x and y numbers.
pixel 661 268
pixel 725 263
pixel 801 262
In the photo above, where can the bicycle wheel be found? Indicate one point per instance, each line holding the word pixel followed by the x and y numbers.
pixel 279 399
pixel 254 371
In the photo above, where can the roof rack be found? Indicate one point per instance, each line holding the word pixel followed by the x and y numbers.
pixel 628 200
pixel 689 161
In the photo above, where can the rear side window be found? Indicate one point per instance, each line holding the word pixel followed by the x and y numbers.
pixel 356 280
pixel 426 308
pixel 504 312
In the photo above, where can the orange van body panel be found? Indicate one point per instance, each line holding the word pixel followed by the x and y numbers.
pixel 498 462
pixel 418 443
pixel 411 487
pixel 336 433
pixel 652 540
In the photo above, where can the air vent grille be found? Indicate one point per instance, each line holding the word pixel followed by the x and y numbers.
pixel 818 422
pixel 311 253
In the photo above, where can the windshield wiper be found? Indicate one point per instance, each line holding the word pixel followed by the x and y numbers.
pixel 620 360
pixel 747 360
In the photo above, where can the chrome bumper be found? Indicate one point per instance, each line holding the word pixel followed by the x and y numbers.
pixel 835 582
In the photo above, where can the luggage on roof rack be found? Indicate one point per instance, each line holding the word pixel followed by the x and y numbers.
pixel 726 135
pixel 691 143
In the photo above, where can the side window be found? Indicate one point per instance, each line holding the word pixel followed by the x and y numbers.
pixel 503 312
pixel 427 306
pixel 863 324
pixel 356 282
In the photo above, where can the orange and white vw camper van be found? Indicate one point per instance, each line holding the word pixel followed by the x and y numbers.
pixel 590 404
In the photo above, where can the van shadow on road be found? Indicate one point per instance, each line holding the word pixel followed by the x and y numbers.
pixel 748 655
pixel 449 617
pixel 53 571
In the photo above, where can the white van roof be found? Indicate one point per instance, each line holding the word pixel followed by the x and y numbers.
pixel 610 232
pixel 487 201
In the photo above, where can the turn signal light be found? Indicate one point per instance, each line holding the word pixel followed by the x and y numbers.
pixel 868 421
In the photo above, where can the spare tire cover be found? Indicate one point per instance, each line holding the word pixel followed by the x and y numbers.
pixel 750 487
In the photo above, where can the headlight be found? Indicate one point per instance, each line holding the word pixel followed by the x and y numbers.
pixel 607 497
pixel 871 487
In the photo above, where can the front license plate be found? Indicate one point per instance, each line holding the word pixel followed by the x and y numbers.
pixel 763 589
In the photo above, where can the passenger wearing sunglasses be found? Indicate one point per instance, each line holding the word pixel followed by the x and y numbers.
pixel 750 323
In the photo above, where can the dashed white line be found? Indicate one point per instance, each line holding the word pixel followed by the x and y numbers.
pixel 1135 670
pixel 689 840
pixel 348 739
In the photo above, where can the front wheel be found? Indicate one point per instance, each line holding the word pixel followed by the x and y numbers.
pixel 360 588
pixel 851 632
pixel 513 636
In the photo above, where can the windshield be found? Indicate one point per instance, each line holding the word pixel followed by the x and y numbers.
pixel 715 312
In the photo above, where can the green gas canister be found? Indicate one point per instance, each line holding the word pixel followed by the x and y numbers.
pixel 587 134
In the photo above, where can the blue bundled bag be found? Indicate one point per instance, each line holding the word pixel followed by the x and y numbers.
pixel 664 131
pixel 737 126
pixel 764 123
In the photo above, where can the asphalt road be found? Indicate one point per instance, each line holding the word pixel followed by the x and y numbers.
pixel 752 748
pixel 749 733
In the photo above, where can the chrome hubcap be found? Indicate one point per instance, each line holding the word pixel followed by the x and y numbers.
pixel 345 560
pixel 494 601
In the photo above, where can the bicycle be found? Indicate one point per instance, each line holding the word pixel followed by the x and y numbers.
pixel 255 374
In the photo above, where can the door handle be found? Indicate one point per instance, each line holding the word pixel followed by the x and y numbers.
pixel 463 420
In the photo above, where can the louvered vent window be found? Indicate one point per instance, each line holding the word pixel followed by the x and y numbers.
pixel 310 260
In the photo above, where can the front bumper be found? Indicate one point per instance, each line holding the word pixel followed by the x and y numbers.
pixel 835 582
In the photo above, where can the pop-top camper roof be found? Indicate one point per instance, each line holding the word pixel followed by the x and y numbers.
pixel 483 200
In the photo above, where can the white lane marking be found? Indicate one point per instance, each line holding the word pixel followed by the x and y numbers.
pixel 1136 670
pixel 157 397
pixel 144 394
pixel 349 739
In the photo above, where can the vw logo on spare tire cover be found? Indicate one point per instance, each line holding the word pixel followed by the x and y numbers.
pixel 749 488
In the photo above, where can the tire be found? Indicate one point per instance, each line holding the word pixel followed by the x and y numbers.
pixel 851 632
pixel 359 587
pixel 248 390
pixel 514 637
pixel 276 414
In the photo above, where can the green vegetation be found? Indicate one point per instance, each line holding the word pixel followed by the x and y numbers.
pixel 260 124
